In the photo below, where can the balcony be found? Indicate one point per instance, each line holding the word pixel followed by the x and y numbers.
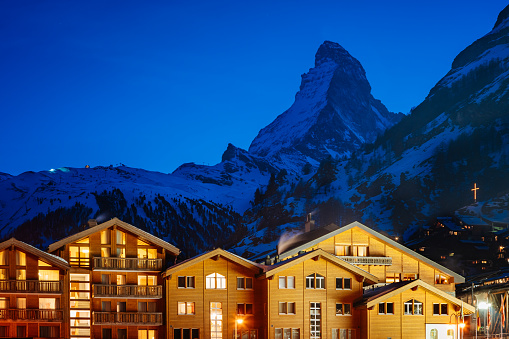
pixel 30 286
pixel 383 261
pixel 128 318
pixel 127 264
pixel 31 315
pixel 128 291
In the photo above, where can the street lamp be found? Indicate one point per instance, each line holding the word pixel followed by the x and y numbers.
pixel 237 321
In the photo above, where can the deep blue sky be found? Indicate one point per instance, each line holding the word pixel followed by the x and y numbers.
pixel 154 84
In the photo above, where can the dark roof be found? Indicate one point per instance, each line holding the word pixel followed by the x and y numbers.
pixel 377 292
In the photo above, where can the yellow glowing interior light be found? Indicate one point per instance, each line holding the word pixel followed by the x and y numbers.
pixel 239 321
pixel 462 325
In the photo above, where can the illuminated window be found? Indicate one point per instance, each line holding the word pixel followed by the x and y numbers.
pixel 215 281
pixel 392 278
pixel 21 258
pixel 148 334
pixel 147 253
pixel 106 237
pixel 120 252
pixel 409 276
pixel 185 308
pixel 4 258
pixel 21 274
pixel 315 281
pixel 147 280
pixel 120 237
pixel 440 279
pixel 342 250
pixel 48 303
pixel 4 303
pixel 79 255
pixel 49 275
pixel 41 263
pixel 4 274
pixel 289 333
pixel 105 252
pixel 141 242
pixel 21 303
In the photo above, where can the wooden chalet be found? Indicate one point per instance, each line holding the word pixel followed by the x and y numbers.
pixel 34 292
pixel 116 288
pixel 311 296
pixel 208 294
pixel 375 253
pixel 411 309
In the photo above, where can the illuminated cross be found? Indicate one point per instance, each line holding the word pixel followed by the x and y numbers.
pixel 475 191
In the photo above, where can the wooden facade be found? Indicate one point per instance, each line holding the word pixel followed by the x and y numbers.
pixel 34 292
pixel 206 295
pixel 411 310
pixel 116 288
pixel 378 255
pixel 111 281
pixel 312 295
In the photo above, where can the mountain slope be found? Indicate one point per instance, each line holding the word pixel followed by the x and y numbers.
pixel 333 114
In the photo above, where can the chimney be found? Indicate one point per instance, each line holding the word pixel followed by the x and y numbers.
pixel 310 224
pixel 92 223
pixel 268 261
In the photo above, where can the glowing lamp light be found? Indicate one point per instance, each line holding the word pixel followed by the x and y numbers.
pixel 483 305
pixel 462 325
pixel 240 320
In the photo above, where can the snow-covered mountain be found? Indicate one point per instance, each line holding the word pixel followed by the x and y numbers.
pixel 333 114
pixel 196 207
pixel 423 166
pixel 363 164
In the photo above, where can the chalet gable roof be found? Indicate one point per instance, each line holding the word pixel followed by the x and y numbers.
pixel 50 258
pixel 337 230
pixel 378 295
pixel 218 252
pixel 115 221
pixel 283 265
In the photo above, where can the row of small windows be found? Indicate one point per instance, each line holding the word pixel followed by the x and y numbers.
pixel 21 259
pixel 314 281
pixel 188 308
pixel 215 281
pixel 412 307
pixel 289 308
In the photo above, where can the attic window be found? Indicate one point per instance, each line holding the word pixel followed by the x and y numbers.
pixel 42 263
pixel 142 243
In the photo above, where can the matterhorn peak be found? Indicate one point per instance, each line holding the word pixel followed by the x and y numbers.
pixel 333 114
pixel 331 51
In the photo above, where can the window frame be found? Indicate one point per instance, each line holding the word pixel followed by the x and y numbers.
pixel 344 307
pixel 187 279
pixel 313 280
pixel 215 278
pixel 440 307
pixel 244 283
pixel 343 280
pixel 186 305
pixel 413 304
pixel 385 307
pixel 287 308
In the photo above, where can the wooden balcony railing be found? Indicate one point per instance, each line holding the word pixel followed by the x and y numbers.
pixel 384 261
pixel 134 264
pixel 31 314
pixel 31 286
pixel 128 318
pixel 128 291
